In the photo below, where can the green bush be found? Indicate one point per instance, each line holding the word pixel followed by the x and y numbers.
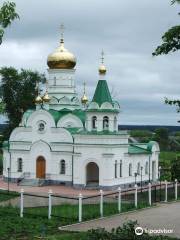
pixel 127 232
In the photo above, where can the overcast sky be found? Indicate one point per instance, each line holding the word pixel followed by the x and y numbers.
pixel 127 30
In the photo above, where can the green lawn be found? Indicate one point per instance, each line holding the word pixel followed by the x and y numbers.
pixel 35 220
pixel 4 195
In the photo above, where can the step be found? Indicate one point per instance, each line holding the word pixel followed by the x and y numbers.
pixel 32 182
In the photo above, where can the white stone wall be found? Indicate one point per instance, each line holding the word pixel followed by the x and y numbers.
pixel 56 143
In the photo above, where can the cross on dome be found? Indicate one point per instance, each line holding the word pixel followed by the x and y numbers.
pixel 62 28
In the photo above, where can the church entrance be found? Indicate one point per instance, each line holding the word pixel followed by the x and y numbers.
pixel 92 174
pixel 40 167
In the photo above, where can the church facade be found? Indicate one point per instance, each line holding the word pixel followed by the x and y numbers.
pixel 68 141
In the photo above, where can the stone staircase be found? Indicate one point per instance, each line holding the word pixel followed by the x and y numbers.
pixel 92 185
pixel 32 182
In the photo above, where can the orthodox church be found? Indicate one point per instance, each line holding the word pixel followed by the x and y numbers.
pixel 70 141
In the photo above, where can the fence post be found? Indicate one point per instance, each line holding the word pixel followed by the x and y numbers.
pixel 119 199
pixel 165 191
pixel 50 203
pixel 80 207
pixel 22 203
pixel 150 202
pixel 176 196
pixel 101 203
pixel 135 195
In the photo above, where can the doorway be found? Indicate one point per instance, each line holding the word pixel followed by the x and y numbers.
pixel 40 167
pixel 92 174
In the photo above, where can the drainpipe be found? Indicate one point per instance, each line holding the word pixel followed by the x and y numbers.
pixel 73 163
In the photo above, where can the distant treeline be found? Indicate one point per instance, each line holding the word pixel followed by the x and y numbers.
pixel 151 128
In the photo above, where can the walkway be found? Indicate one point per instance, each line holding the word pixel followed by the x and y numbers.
pixel 64 190
pixel 163 216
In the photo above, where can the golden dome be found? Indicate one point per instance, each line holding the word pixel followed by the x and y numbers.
pixel 84 99
pixel 102 69
pixel 46 98
pixel 61 58
pixel 38 99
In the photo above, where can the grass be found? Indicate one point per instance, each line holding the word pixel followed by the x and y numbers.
pixel 4 195
pixel 36 223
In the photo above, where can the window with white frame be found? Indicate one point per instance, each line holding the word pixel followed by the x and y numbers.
pixel 94 122
pixel 147 168
pixel 130 169
pixel 115 169
pixel 120 169
pixel 41 127
pixel 105 123
pixel 19 165
pixel 62 167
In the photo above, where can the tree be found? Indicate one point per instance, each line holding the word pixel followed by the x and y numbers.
pixel 7 16
pixel 162 137
pixel 175 169
pixel 18 93
pixel 170 43
pixel 170 39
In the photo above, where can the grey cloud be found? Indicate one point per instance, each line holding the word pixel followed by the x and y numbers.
pixel 127 30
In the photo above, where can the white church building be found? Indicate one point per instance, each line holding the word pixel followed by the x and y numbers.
pixel 70 141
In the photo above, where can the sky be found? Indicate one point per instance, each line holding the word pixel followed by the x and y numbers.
pixel 128 31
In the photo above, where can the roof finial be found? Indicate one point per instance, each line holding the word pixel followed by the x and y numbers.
pixel 102 68
pixel 102 56
pixel 84 83
pixel 46 97
pixel 38 99
pixel 62 32
pixel 84 98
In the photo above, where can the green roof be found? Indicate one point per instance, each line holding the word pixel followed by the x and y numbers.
pixel 102 93
pixel 59 114
pixel 138 149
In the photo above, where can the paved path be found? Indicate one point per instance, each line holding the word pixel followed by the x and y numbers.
pixel 64 190
pixel 163 216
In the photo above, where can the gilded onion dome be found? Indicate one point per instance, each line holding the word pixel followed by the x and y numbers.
pixel 102 67
pixel 84 98
pixel 38 99
pixel 61 58
pixel 46 97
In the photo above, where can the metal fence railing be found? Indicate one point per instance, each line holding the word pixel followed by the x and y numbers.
pixel 71 209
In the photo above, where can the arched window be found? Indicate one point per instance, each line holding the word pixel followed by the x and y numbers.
pixel 120 169
pixel 105 123
pixel 115 123
pixel 94 122
pixel 19 165
pixel 138 168
pixel 146 168
pixel 62 167
pixel 130 169
pixel 115 169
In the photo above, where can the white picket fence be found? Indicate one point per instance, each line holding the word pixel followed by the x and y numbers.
pixel 101 195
